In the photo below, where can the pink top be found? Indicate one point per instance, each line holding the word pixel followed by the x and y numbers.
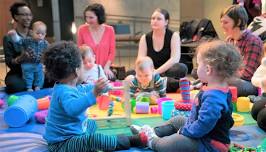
pixel 105 49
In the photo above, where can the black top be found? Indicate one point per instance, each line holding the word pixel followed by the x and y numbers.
pixel 160 57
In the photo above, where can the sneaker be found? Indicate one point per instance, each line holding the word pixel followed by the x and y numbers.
pixel 135 129
pixel 149 132
pixel 37 88
pixel 30 90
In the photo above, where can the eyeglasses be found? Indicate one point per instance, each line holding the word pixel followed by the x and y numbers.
pixel 24 14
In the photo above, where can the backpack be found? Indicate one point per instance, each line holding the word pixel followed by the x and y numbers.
pixel 196 30
pixel 187 30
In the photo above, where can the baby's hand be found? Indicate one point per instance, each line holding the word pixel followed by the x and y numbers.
pixel 12 32
pixel 100 85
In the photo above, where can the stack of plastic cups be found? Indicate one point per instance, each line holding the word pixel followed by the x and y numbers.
pixel 234 96
pixel 184 84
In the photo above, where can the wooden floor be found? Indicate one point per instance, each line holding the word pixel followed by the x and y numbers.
pixel 3 71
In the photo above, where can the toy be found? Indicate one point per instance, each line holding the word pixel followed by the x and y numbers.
pixel 160 101
pixel 40 116
pixel 238 119
pixel 243 104
pixel 154 110
pixel 111 108
pixel 184 84
pixel 1 103
pixel 43 103
pixel 142 107
pixel 183 106
pixel 12 99
pixel 21 111
pixel 167 108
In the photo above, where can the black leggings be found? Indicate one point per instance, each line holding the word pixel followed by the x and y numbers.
pixel 258 111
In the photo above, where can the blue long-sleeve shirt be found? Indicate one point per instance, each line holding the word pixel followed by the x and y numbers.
pixel 67 111
pixel 210 118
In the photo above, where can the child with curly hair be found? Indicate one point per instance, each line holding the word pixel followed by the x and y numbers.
pixel 207 128
pixel 67 128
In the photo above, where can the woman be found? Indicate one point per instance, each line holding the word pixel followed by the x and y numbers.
pixel 22 15
pixel 234 20
pixel 99 36
pixel 163 47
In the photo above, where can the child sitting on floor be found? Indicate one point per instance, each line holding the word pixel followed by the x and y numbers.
pixel 92 71
pixel 207 128
pixel 146 80
pixel 67 128
pixel 33 47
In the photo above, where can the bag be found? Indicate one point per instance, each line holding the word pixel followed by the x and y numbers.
pixel 196 30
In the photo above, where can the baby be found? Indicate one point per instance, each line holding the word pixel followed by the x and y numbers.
pixel 32 69
pixel 146 80
pixel 92 71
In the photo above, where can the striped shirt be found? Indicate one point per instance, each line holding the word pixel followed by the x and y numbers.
pixel 157 84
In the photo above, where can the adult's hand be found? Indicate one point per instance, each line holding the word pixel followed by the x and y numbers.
pixel 108 72
pixel 25 55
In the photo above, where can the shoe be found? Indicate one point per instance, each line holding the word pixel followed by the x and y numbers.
pixel 30 90
pixel 149 132
pixel 135 129
pixel 37 88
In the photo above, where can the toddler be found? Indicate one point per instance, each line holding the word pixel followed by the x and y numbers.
pixel 32 69
pixel 67 128
pixel 207 128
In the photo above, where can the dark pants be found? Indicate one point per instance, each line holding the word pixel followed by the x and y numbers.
pixel 15 83
pixel 170 140
pixel 258 111
pixel 244 88
pixel 177 71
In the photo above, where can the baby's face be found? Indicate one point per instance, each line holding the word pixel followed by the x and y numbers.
pixel 144 76
pixel 89 62
pixel 39 32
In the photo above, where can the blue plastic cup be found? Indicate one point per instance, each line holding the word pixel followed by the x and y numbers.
pixel 21 111
pixel 167 108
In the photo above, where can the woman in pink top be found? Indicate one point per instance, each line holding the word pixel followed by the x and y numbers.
pixel 99 36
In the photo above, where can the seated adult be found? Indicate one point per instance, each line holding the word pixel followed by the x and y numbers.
pixel 99 36
pixel 234 20
pixel 163 46
pixel 21 14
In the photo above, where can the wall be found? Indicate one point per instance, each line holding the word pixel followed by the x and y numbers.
pixel 135 13
pixel 212 10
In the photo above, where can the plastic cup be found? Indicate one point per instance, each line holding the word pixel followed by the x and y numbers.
pixel 167 108
pixel 103 102
pixel 160 101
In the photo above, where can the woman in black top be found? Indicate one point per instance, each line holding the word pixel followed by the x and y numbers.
pixel 163 47
pixel 22 15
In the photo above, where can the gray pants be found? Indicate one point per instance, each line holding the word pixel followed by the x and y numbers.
pixel 170 141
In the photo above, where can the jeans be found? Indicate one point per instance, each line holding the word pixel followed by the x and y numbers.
pixel 32 74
